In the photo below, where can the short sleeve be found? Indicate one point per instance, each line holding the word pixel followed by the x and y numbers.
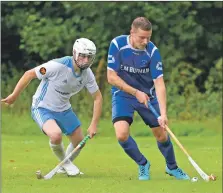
pixel 47 70
pixel 156 65
pixel 113 59
pixel 91 84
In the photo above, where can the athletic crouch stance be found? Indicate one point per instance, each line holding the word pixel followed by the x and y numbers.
pixel 60 79
pixel 136 75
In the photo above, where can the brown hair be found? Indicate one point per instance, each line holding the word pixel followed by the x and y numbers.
pixel 142 23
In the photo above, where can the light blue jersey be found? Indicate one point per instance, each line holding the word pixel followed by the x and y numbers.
pixel 138 68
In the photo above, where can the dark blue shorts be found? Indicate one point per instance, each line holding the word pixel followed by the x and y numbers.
pixel 123 108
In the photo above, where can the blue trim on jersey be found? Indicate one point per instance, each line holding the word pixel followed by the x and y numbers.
pixel 151 91
pixel 43 93
pixel 67 61
pixel 122 41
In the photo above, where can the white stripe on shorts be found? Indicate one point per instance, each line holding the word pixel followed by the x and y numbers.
pixel 38 117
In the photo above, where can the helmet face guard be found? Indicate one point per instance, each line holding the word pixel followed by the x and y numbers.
pixel 84 52
pixel 84 61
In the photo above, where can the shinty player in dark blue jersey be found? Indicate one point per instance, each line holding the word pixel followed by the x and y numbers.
pixel 136 75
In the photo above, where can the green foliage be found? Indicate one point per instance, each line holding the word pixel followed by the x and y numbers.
pixel 214 80
pixel 47 30
pixel 188 35
pixel 185 101
pixel 182 79
pixel 8 83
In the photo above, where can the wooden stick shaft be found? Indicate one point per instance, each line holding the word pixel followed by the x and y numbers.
pixel 177 141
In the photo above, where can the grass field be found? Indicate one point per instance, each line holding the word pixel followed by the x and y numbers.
pixel 107 169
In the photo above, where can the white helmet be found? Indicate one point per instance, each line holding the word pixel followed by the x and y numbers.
pixel 84 47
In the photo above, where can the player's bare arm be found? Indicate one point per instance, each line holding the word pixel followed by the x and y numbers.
pixel 161 96
pixel 97 96
pixel 115 80
pixel 21 85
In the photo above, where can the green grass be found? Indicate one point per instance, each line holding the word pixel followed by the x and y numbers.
pixel 209 127
pixel 107 169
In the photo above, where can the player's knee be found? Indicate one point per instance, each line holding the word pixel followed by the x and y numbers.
pixel 56 138
pixel 122 137
pixel 161 138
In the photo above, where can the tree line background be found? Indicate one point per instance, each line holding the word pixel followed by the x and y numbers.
pixel 188 35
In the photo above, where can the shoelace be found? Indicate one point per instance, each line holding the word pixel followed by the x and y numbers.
pixel 142 171
pixel 181 172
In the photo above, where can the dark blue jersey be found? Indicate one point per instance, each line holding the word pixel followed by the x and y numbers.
pixel 138 68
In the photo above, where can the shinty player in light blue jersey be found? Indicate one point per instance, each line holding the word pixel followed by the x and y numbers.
pixel 60 79
pixel 136 75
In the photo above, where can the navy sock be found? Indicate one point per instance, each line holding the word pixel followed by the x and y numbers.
pixel 166 148
pixel 131 149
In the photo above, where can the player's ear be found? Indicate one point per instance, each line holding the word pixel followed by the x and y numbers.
pixel 133 30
